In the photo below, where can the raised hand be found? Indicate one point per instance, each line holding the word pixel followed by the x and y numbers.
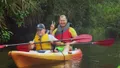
pixel 52 26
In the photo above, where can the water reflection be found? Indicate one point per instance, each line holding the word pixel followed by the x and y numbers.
pixel 64 64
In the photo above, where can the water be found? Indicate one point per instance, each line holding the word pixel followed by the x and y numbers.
pixel 94 56
pixel 100 56
pixel 67 64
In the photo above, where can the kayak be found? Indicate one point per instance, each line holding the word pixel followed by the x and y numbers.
pixel 24 59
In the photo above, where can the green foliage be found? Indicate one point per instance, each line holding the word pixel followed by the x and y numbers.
pixel 104 14
pixel 5 35
pixel 16 10
pixel 19 9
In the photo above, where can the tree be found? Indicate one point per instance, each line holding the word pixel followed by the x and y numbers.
pixel 15 10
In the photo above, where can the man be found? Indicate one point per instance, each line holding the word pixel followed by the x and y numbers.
pixel 64 31
pixel 42 36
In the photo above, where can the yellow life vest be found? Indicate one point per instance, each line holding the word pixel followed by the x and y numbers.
pixel 44 46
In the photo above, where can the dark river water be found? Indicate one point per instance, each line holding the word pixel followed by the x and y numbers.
pixel 94 56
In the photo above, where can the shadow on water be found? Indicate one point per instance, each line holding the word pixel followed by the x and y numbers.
pixel 5 60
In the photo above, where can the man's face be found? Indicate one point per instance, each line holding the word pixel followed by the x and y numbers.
pixel 62 22
pixel 41 32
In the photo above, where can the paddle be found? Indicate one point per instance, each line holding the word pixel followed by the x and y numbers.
pixel 107 42
pixel 80 38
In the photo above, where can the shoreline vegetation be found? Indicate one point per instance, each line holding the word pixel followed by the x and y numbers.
pixel 18 18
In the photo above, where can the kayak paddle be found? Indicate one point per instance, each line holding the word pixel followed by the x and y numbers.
pixel 80 38
pixel 107 42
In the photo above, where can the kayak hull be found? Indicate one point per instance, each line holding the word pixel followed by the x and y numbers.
pixel 23 59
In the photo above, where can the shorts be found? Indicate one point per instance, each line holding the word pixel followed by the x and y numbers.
pixel 60 48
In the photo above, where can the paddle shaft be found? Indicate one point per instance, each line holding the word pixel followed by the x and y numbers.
pixel 78 39
pixel 82 43
pixel 70 39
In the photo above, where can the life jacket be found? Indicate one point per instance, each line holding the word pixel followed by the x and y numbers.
pixel 63 33
pixel 42 46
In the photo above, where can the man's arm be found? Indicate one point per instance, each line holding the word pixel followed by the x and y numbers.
pixel 73 33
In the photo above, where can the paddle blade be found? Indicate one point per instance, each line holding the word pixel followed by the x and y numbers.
pixel 107 42
pixel 83 38
pixel 2 46
pixel 23 47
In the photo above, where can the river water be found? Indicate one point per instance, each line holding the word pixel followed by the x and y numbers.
pixel 94 56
